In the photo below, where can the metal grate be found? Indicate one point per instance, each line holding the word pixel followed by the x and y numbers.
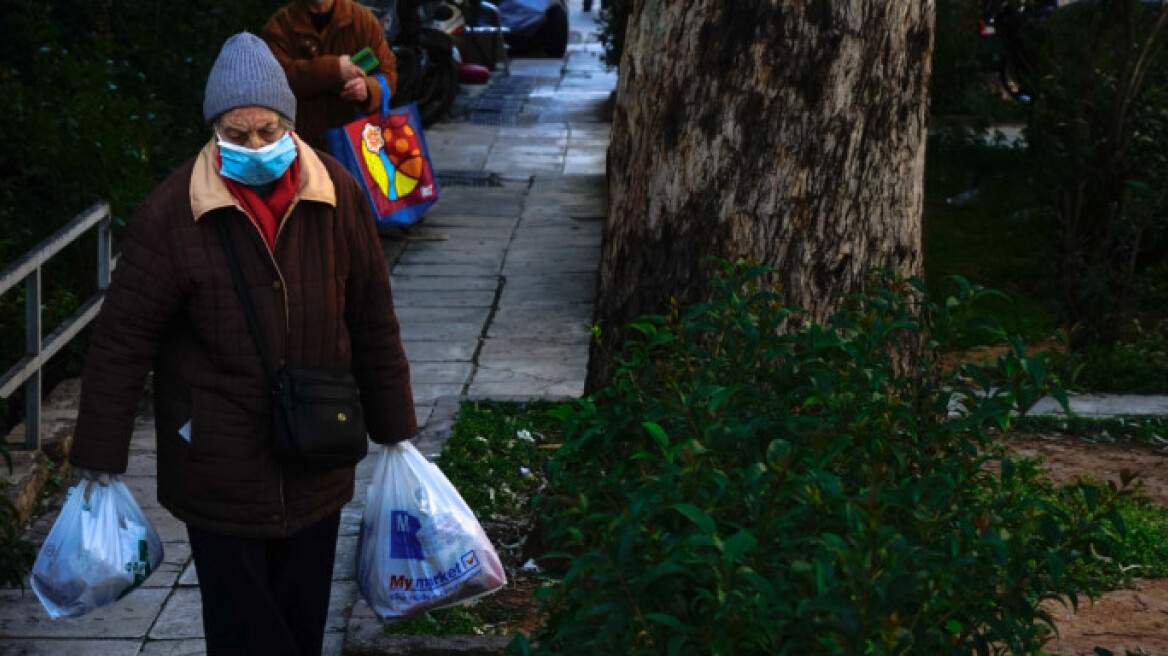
pixel 468 179
pixel 502 102
pixel 504 119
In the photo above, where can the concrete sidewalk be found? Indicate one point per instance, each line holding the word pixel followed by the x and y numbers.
pixel 494 291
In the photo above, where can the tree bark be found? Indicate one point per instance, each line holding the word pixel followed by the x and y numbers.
pixel 787 132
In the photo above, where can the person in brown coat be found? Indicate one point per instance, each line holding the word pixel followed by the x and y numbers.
pixel 314 41
pixel 263 530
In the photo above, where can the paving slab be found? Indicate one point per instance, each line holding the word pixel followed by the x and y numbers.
pixel 483 298
pixel 480 202
pixel 430 391
pixel 508 317
pixel 169 528
pixel 529 371
pixel 445 331
pixel 144 489
pixel 352 512
pixel 70 647
pixel 562 350
pixel 441 315
pixel 460 219
pixel 434 350
pixel 440 372
pixel 527 390
pixel 181 618
pixel 190 576
pixel 345 562
pixel 142 463
pixel 444 283
pixel 344 594
pixel 588 252
pixel 561 234
pixel 500 230
pixel 188 647
pixel 22 616
pixel 440 260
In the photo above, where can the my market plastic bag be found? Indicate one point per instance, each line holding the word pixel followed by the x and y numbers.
pixel 100 548
pixel 421 547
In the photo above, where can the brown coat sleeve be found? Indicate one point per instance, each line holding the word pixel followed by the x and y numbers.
pixel 307 77
pixel 142 299
pixel 379 361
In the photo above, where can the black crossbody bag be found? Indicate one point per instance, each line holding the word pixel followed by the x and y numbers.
pixel 317 420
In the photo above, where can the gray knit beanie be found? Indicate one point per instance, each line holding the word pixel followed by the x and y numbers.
pixel 246 73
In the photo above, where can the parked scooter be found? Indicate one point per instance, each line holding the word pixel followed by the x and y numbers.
pixel 1015 26
pixel 427 60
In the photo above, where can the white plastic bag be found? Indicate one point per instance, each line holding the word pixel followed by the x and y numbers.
pixel 420 547
pixel 100 548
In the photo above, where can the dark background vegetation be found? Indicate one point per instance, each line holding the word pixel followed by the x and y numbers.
pixel 100 100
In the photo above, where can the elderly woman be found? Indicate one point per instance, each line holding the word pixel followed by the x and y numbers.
pixel 262 528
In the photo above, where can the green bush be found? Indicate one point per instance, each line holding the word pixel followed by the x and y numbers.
pixel 752 483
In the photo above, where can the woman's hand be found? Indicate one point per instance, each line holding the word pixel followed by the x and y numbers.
pixel 355 90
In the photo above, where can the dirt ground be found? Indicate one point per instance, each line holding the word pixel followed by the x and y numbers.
pixel 1122 621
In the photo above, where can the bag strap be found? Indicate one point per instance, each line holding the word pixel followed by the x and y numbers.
pixel 385 94
pixel 249 312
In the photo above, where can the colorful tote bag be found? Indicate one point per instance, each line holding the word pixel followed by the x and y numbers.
pixel 387 154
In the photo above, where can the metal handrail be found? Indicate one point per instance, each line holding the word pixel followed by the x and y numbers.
pixel 38 349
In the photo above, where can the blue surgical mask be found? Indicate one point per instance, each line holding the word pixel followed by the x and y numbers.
pixel 259 166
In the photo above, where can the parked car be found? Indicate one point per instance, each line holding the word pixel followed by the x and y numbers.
pixel 537 27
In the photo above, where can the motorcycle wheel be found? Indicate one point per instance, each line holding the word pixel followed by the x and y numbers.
pixel 1011 82
pixel 438 90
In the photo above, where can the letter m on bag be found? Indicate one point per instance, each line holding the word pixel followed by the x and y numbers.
pixel 403 536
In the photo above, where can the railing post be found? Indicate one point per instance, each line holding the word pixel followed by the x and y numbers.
pixel 32 342
pixel 104 250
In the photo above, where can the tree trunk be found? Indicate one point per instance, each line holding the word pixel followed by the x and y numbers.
pixel 788 132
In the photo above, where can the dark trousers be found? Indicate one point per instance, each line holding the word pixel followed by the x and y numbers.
pixel 266 596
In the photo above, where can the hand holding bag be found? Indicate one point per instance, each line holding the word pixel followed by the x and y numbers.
pixel 317 418
pixel 387 154
pixel 420 547
pixel 100 548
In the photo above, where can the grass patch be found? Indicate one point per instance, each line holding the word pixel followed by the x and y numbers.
pixel 983 222
pixel 494 457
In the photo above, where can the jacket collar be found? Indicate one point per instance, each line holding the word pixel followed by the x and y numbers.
pixel 301 22
pixel 209 193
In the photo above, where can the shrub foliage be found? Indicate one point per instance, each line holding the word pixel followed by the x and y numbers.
pixel 752 483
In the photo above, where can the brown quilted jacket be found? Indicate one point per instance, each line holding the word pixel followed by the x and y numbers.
pixel 311 60
pixel 323 299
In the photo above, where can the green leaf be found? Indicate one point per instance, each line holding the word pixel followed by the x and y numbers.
pixel 696 515
pixel 657 433
pixel 735 546
pixel 668 620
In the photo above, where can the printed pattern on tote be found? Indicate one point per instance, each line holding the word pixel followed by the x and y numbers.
pixel 397 174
